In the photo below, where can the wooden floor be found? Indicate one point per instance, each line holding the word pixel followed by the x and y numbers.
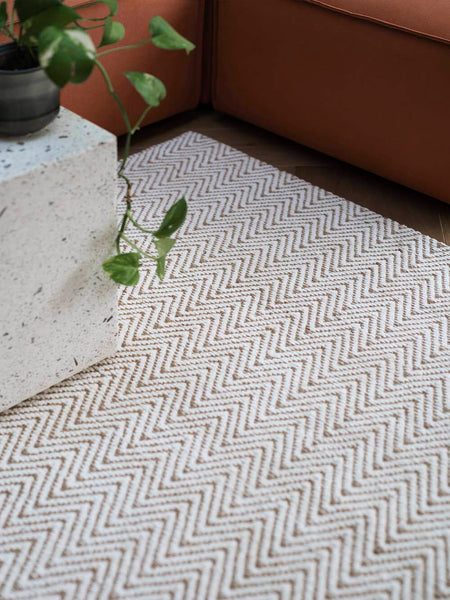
pixel 389 199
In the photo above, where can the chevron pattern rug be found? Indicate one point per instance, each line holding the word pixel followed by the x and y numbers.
pixel 276 425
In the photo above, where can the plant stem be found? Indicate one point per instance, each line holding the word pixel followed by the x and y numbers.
pixel 139 121
pixel 131 47
pixel 125 117
pixel 9 33
pixel 89 28
pixel 120 232
pixel 135 223
pixel 130 131
pixel 127 122
pixel 133 245
pixel 112 91
pixel 11 20
pixel 94 18
pixel 126 154
pixel 90 4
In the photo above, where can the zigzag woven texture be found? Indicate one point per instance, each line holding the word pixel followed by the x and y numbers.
pixel 276 425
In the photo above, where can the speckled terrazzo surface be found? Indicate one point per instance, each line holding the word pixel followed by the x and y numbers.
pixel 57 226
pixel 67 136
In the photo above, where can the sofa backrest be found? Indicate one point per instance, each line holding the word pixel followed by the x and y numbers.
pixel 426 18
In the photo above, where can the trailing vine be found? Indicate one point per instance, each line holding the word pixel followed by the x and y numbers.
pixel 57 37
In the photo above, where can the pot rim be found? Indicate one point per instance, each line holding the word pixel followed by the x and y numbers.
pixel 9 46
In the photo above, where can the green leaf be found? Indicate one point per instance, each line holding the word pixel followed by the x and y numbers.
pixel 113 32
pixel 123 268
pixel 163 246
pixel 66 55
pixel 111 4
pixel 57 16
pixel 28 8
pixel 161 267
pixel 3 14
pixel 148 86
pixel 164 36
pixel 174 218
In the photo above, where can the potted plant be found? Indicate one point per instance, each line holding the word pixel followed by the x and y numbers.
pixel 50 47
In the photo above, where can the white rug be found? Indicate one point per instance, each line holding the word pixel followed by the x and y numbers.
pixel 277 424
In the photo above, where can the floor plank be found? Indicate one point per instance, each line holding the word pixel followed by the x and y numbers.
pixel 411 208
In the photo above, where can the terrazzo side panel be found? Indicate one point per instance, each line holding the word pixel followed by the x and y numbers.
pixel 58 309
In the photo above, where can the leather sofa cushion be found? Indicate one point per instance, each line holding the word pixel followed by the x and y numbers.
pixel 426 18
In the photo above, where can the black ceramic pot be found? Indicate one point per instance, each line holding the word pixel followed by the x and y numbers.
pixel 29 100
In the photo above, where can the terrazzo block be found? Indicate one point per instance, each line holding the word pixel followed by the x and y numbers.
pixel 58 309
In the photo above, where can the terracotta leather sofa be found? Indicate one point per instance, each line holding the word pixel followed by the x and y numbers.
pixel 366 81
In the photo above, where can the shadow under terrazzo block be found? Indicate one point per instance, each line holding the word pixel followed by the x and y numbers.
pixel 58 309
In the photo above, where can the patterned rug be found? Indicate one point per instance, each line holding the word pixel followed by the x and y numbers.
pixel 277 423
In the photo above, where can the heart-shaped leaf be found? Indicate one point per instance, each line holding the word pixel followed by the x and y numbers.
pixel 148 86
pixel 174 218
pixel 113 32
pixel 28 8
pixel 163 246
pixel 3 14
pixel 66 55
pixel 123 268
pixel 164 36
pixel 57 16
pixel 161 267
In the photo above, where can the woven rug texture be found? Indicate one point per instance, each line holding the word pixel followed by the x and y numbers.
pixel 276 425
